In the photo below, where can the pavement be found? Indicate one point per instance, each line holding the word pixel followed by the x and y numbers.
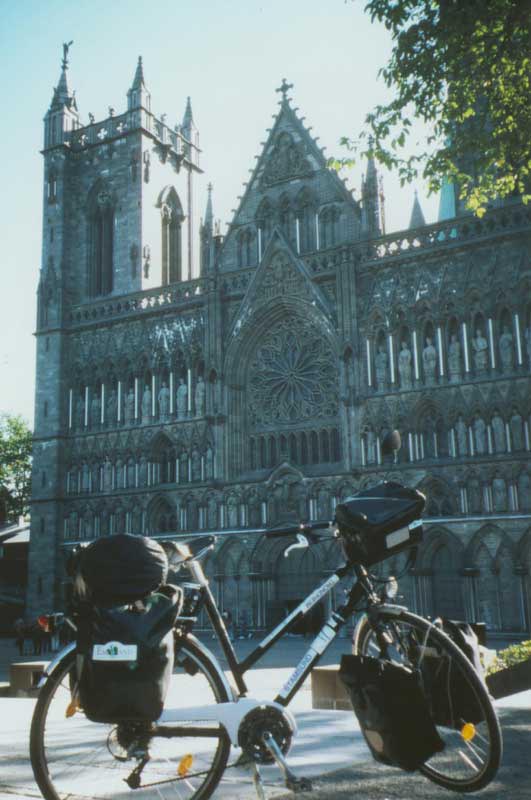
pixel 329 747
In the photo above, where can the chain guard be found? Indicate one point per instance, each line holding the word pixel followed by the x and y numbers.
pixel 264 719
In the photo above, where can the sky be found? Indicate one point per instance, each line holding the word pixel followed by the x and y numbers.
pixel 228 56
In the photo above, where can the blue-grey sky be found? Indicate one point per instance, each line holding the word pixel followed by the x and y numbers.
pixel 228 56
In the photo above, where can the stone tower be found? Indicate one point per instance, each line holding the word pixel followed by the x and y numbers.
pixel 118 219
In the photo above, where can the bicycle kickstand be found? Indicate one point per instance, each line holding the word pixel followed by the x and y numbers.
pixel 293 783
pixel 257 780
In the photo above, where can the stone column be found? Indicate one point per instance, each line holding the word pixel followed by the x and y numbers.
pixel 491 343
pixel 391 358
pixel 465 348
pixel 440 351
pixel 172 393
pixel 369 362
pixel 518 338
pixel 416 356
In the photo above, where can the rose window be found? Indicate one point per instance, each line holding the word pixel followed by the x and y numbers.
pixel 293 376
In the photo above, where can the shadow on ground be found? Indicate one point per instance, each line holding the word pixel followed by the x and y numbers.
pixel 372 781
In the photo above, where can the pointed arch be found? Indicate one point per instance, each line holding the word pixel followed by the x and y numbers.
pixel 100 237
pixel 172 217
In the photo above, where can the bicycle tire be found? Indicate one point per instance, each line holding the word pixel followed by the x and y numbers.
pixel 71 757
pixel 408 631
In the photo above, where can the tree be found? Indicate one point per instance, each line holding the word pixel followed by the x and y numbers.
pixel 15 463
pixel 463 67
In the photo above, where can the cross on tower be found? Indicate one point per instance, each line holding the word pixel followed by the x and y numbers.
pixel 284 88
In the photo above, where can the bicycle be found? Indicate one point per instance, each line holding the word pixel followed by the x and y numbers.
pixel 187 750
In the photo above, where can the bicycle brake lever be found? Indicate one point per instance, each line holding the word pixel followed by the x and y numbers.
pixel 302 541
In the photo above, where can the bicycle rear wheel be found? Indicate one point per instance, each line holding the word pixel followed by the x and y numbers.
pixel 461 706
pixel 75 758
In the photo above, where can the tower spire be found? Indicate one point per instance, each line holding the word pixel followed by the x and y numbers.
pixel 417 215
pixel 138 95
pixel 371 219
pixel 62 95
pixel 209 215
pixel 188 119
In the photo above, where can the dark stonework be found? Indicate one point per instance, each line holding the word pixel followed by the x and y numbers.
pixel 260 389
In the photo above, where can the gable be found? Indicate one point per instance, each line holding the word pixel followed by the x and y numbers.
pixel 291 173
pixel 281 276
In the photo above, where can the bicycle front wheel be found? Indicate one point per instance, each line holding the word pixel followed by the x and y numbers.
pixel 73 757
pixel 460 703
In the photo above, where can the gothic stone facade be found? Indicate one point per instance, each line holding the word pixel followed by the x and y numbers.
pixel 192 382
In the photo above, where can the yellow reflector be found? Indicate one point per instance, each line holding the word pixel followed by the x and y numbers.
pixel 468 731
pixel 72 708
pixel 185 765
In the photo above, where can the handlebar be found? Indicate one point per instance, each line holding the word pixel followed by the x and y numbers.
pixel 305 528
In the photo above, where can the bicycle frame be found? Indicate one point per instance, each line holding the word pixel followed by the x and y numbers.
pixel 322 641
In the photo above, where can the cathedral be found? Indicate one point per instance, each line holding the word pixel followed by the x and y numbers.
pixel 189 380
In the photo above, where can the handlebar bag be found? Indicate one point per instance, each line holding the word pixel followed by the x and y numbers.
pixel 127 655
pixel 122 568
pixel 453 700
pixel 380 522
pixel 392 711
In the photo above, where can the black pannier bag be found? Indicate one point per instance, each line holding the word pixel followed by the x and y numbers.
pixel 380 522
pixel 122 568
pixel 453 701
pixel 392 711
pixel 127 657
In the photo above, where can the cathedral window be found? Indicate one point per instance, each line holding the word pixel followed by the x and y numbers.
pixel 172 217
pixel 287 221
pixel 264 221
pixel 52 188
pixel 101 243
pixel 245 249
pixel 328 223
pixel 305 221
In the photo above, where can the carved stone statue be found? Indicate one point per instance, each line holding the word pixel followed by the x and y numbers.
pixel 129 414
pixel 454 358
pixel 112 408
pixel 146 404
pixel 80 412
pixel 85 477
pixel 370 438
pixel 142 472
pixel 462 436
pixel 524 491
pixel 232 512
pixel 528 345
pixel 209 464
pixel 164 401
pixel 131 474
pixel 212 512
pixel 323 503
pixel 481 355
pixel 517 431
pixel 107 475
pixel 381 360
pixel 499 494
pixel 480 435
pixel 183 466
pixel 474 496
pixel 200 391
pixel 404 366
pixel 429 361
pixel 506 349
pixel 498 430
pixel 182 399
pixel 196 465
pixel 95 410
